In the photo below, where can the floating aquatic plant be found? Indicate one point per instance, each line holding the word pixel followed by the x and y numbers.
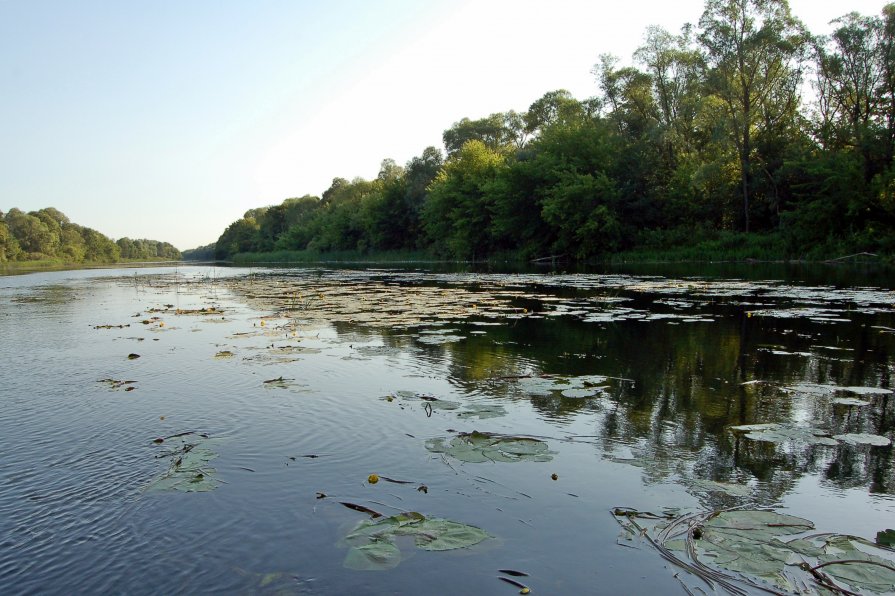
pixel 479 447
pixel 188 470
pixel 372 543
pixel 738 548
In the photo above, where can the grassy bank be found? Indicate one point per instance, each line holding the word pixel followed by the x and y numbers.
pixel 14 267
pixel 285 257
pixel 673 246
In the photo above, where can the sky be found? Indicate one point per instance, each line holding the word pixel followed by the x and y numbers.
pixel 170 119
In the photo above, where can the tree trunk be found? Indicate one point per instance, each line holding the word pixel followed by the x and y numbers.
pixel 745 164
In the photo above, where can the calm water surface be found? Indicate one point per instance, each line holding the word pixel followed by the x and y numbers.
pixel 357 356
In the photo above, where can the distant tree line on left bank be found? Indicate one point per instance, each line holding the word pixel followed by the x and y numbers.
pixel 48 234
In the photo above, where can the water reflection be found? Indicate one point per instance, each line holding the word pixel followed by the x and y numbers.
pixel 719 354
pixel 684 360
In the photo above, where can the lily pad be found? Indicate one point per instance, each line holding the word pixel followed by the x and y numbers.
pixel 875 575
pixel 850 401
pixel 750 547
pixel 575 387
pixel 478 447
pixel 812 388
pixel 576 393
pixel 866 390
pixel 482 411
pixel 864 439
pixel 781 433
pixel 188 470
pixel 379 555
pixel 373 547
pixel 734 490
pixel 886 538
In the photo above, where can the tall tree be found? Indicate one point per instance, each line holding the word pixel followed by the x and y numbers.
pixel 851 66
pixel 752 50
pixel 457 214
pixel 9 246
pixel 675 67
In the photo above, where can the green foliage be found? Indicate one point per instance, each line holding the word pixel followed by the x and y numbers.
pixel 49 236
pixel 372 543
pixel 147 250
pixel 240 236
pixel 703 136
pixel 200 253
pixel 9 246
pixel 457 215
pixel 98 248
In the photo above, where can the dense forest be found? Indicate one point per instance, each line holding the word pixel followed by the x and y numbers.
pixel 48 235
pixel 744 130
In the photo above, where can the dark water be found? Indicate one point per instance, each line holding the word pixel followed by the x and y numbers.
pixel 685 358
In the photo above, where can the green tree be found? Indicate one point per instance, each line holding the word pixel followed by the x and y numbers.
pixel 499 132
pixel 9 246
pixel 552 109
pixel 752 49
pixel 34 237
pixel 302 217
pixel 99 248
pixel 73 247
pixel 457 214
pixel 240 236
pixel 675 68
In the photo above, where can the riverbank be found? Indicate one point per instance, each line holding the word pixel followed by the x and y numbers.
pixel 718 247
pixel 20 267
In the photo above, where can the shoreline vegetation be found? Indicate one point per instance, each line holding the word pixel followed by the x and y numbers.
pixel 35 266
pixel 47 239
pixel 769 144
pixel 722 248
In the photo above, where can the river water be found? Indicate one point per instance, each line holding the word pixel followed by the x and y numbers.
pixel 199 429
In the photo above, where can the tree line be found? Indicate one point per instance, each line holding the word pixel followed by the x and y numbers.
pixel 744 125
pixel 48 234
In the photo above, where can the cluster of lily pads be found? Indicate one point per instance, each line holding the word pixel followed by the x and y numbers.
pixel 575 387
pixel 764 550
pixel 431 404
pixel 480 447
pixel 372 544
pixel 780 433
pixel 846 396
pixel 721 548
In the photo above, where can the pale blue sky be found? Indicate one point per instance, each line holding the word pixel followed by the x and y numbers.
pixel 169 119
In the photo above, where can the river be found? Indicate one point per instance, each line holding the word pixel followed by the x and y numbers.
pixel 408 430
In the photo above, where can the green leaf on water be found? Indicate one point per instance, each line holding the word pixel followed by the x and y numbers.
pixel 850 401
pixel 269 578
pixel 441 534
pixel 734 490
pixel 781 433
pixel 864 439
pixel 877 578
pixel 375 556
pixel 886 538
pixel 577 393
pixel 581 386
pixel 482 411
pixel 188 469
pixel 751 545
pixel 478 447
pixel 372 543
